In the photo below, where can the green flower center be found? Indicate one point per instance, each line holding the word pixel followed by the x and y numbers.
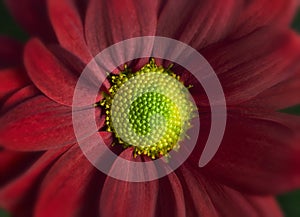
pixel 149 110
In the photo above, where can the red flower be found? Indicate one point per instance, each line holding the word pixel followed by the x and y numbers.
pixel 255 55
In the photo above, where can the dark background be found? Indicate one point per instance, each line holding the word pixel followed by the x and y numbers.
pixel 289 202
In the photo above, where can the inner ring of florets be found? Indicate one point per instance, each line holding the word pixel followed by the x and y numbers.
pixel 149 110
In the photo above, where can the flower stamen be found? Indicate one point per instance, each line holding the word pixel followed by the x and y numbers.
pixel 149 110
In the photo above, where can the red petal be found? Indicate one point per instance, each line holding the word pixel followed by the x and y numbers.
pixel 248 66
pixel 66 58
pixel 13 163
pixel 197 23
pixel 170 197
pixel 281 96
pixel 258 154
pixel 197 200
pixel 37 124
pixel 229 202
pixel 67 23
pixel 206 198
pixel 71 188
pixel 118 21
pixel 33 16
pixel 260 13
pixel 49 74
pixel 12 79
pixel 56 75
pixel 12 75
pixel 10 53
pixel 18 97
pixel 134 199
pixel 18 196
pixel 226 201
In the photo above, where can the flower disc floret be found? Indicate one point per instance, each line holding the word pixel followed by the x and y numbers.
pixel 149 110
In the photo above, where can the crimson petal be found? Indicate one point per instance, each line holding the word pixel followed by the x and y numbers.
pixel 124 20
pixel 128 199
pixel 18 195
pixel 197 23
pixel 67 23
pixel 260 13
pixel 37 124
pixel 12 79
pixel 49 74
pixel 248 66
pixel 170 197
pixel 73 180
pixel 259 154
pixel 282 95
pixel 226 201
pixel 198 202
pixel 229 202
pixel 12 163
pixel 18 97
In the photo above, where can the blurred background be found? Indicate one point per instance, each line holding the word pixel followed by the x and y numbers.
pixel 289 202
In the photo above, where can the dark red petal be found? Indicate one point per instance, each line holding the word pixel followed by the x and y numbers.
pixel 197 23
pixel 259 13
pixel 118 20
pixel 10 53
pixel 248 66
pixel 69 60
pixel 12 163
pixel 18 97
pixel 56 74
pixel 12 79
pixel 280 96
pixel 33 16
pixel 229 202
pixel 170 197
pixel 49 74
pixel 226 201
pixel 71 188
pixel 128 199
pixel 68 27
pixel 197 200
pixel 18 196
pixel 37 124
pixel 205 197
pixel 258 154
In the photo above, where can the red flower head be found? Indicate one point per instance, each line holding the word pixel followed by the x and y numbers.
pixel 255 55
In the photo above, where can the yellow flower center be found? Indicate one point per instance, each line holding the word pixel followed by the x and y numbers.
pixel 149 110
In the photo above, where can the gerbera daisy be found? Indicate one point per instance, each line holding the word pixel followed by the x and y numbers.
pixel 255 56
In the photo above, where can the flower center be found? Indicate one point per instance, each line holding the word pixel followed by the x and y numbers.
pixel 149 110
